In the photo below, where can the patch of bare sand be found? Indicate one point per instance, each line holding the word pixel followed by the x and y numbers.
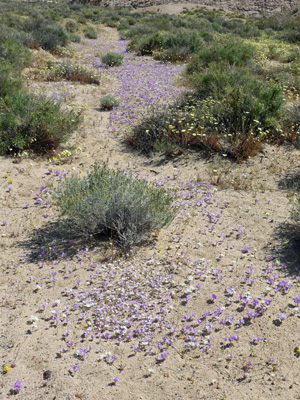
pixel 221 243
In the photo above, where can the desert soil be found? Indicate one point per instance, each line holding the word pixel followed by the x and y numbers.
pixel 206 310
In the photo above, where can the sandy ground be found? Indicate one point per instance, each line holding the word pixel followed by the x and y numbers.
pixel 207 310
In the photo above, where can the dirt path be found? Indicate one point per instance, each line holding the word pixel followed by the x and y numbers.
pixel 205 312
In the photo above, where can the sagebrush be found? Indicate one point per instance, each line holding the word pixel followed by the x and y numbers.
pixel 108 102
pixel 112 59
pixel 115 204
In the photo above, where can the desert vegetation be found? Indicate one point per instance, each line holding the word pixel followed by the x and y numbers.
pixel 150 203
pixel 240 93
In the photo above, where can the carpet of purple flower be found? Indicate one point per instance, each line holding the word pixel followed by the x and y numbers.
pixel 144 86
pixel 209 310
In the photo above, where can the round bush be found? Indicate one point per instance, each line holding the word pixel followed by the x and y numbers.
pixel 115 204
pixel 71 26
pixel 108 102
pixel 112 59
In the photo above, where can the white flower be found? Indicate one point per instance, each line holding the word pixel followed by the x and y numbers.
pixel 189 289
pixel 268 289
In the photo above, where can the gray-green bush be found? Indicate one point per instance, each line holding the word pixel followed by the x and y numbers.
pixel 115 204
pixel 71 26
pixel 108 102
pixel 112 59
pixel 46 34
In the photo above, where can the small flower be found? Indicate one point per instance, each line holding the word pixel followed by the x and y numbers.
pixel 18 385
pixel 246 249
pixel 230 290
pixel 6 368
pixel 164 355
pixel 116 379
pixel 281 316
pixel 297 300
pixel 75 368
pixel 256 339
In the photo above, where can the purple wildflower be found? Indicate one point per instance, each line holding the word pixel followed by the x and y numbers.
pixel 18 385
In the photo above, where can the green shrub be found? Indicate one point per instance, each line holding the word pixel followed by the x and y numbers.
pixel 71 72
pixel 151 43
pixel 26 38
pixel 130 20
pixel 10 80
pixel 174 54
pixel 74 38
pixel 243 99
pixel 114 204
pixel 33 122
pixel 156 131
pixel 81 19
pixel 180 46
pixel 50 37
pixel 123 25
pixel 112 59
pixel 230 51
pixel 291 36
pixel 46 33
pixel 108 102
pixel 16 53
pixel 71 26
pixel 112 23
pixel 291 123
pixel 140 29
pixel 90 33
pixel 241 28
pixel 233 112
pixel 186 38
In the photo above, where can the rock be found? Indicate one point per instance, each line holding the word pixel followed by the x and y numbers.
pixel 247 7
pixel 47 374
